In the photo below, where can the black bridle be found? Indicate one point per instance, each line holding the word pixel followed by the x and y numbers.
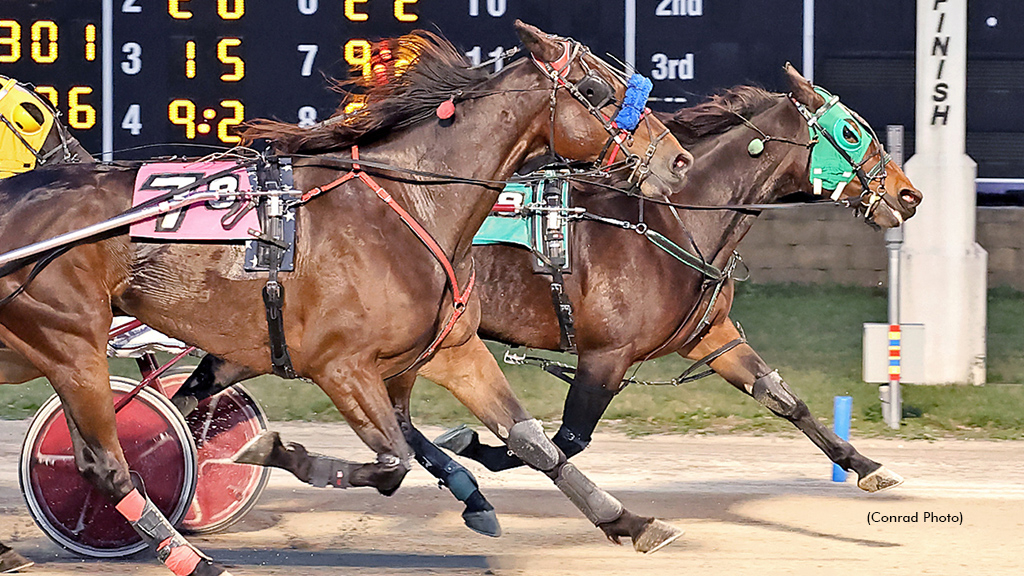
pixel 594 93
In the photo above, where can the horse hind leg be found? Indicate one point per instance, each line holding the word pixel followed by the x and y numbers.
pixel 743 368
pixel 473 376
pixel 359 393
pixel 16 369
pixel 212 376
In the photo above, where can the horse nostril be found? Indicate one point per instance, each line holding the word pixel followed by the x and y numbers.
pixel 682 163
pixel 910 197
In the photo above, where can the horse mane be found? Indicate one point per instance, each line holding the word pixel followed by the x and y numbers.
pixel 719 113
pixel 410 76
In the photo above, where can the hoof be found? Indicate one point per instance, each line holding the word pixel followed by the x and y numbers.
pixel 185 404
pixel 258 450
pixel 881 479
pixel 483 522
pixel 11 561
pixel 656 536
pixel 456 439
pixel 209 568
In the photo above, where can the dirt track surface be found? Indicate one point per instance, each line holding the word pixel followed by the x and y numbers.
pixel 749 505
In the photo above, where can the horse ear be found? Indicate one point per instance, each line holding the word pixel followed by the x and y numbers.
pixel 544 47
pixel 802 88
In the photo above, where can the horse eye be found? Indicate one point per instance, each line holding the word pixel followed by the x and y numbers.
pixel 851 134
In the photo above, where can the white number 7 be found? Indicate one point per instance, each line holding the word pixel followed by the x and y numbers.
pixel 307 62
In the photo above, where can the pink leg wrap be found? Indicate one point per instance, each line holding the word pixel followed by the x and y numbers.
pixel 181 560
pixel 131 506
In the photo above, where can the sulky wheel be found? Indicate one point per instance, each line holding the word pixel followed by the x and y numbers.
pixel 160 452
pixel 221 425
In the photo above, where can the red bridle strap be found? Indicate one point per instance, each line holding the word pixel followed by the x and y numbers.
pixel 459 297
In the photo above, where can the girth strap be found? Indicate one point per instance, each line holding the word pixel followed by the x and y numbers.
pixel 268 175
pixel 460 297
pixel 563 309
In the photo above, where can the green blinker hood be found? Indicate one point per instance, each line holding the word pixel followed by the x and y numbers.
pixel 827 163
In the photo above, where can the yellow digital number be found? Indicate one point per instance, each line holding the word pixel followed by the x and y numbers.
pixel 350 11
pixel 12 40
pixel 224 125
pixel 50 55
pixel 357 53
pixel 183 113
pixel 81 116
pixel 401 15
pixel 174 9
pixel 235 13
pixel 190 59
pixel 237 64
pixel 49 92
pixel 90 42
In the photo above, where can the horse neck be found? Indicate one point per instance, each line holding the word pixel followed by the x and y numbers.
pixel 53 140
pixel 724 173
pixel 489 138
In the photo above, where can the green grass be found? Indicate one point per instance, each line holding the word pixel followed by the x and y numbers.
pixel 811 334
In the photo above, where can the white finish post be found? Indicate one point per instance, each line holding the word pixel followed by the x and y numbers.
pixel 808 55
pixel 943 269
pixel 630 34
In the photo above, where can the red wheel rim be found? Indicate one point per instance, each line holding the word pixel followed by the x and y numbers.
pixel 225 491
pixel 74 513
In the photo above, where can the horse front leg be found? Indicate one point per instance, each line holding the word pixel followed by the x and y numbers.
pixel 16 369
pixel 597 381
pixel 470 373
pixel 214 375
pixel 743 368
pixel 479 514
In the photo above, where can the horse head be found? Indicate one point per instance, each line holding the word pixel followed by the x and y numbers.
pixel 848 160
pixel 30 133
pixel 598 114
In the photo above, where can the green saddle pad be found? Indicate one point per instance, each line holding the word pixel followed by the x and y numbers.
pixel 507 229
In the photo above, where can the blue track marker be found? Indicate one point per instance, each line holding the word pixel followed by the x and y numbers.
pixel 842 408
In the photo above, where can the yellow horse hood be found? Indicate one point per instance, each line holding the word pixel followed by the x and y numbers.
pixel 25 122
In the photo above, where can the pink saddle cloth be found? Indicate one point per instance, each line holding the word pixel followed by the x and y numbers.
pixel 227 219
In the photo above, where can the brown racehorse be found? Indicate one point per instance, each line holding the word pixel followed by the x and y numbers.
pixel 634 301
pixel 366 298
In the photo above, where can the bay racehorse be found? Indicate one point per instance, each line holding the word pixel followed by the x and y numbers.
pixel 635 301
pixel 366 301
